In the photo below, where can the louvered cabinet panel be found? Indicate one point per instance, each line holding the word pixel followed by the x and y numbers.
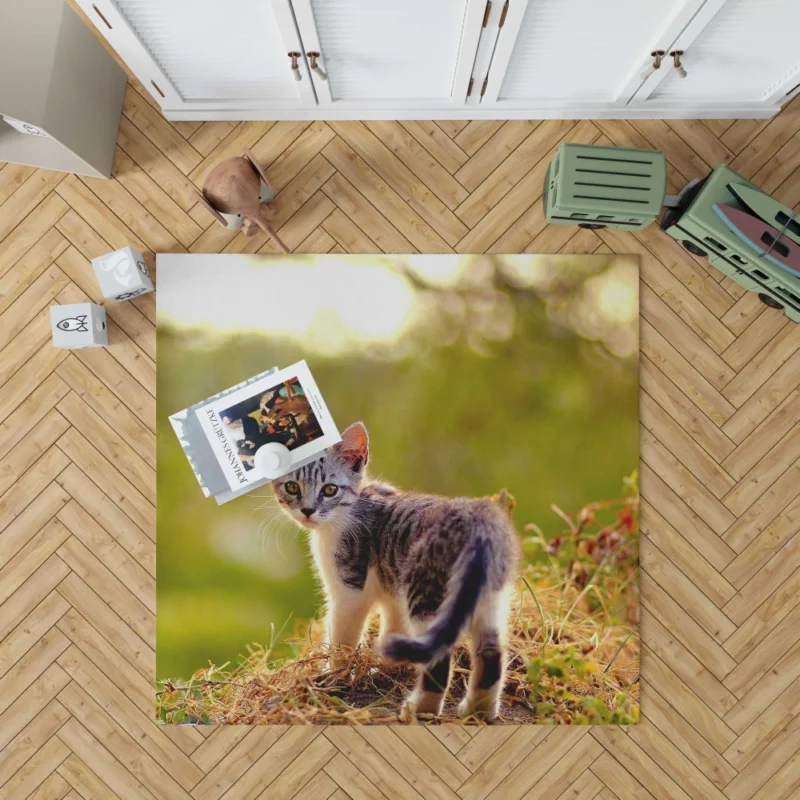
pixel 207 54
pixel 748 51
pixel 433 59
pixel 573 50
pixel 210 49
pixel 388 51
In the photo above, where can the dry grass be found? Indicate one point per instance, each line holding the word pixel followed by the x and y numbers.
pixel 574 648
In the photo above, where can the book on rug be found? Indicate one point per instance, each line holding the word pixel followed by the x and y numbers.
pixel 221 435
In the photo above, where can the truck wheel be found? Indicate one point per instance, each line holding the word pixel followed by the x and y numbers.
pixel 693 248
pixel 592 226
pixel 769 301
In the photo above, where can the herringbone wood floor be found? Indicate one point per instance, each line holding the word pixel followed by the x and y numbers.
pixel 720 413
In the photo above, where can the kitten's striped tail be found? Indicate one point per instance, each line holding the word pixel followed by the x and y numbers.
pixel 457 608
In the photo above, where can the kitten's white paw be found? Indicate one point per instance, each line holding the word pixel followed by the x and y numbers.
pixel 479 710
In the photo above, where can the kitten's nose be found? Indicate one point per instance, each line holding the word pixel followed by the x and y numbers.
pixel 307 511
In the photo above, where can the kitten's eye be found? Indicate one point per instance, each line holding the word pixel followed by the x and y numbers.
pixel 329 489
pixel 292 487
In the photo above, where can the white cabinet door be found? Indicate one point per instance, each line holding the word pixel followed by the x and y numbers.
pixel 577 54
pixel 390 54
pixel 734 52
pixel 207 54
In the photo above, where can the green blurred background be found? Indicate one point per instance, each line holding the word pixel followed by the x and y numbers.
pixel 472 374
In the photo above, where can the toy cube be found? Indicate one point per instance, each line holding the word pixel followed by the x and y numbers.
pixel 605 187
pixel 78 325
pixel 122 274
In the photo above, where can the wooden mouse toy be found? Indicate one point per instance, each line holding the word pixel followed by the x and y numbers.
pixel 235 187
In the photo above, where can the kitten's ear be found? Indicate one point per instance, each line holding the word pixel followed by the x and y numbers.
pixel 355 445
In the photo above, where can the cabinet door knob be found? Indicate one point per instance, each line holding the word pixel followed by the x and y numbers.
pixel 295 66
pixel 676 60
pixel 657 56
pixel 312 57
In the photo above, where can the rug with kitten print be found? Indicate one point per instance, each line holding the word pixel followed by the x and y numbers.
pixel 466 553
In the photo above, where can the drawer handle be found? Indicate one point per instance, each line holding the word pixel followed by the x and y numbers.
pixel 295 65
pixel 657 55
pixel 313 56
pixel 676 60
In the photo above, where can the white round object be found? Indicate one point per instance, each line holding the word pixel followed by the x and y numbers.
pixel 273 460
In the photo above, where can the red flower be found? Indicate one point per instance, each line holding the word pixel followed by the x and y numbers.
pixel 554 546
pixel 626 518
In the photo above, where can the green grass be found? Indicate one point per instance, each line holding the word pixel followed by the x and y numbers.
pixel 573 646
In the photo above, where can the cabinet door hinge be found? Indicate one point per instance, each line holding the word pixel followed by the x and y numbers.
pixel 503 15
pixel 469 88
pixel 486 13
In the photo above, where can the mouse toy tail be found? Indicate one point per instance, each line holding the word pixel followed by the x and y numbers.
pixel 264 224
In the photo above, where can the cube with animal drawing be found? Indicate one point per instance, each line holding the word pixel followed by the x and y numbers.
pixel 78 325
pixel 122 274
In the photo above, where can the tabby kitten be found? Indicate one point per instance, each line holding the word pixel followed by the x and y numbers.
pixel 436 567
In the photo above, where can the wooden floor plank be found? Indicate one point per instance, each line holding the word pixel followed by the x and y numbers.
pixel 764 525
pixel 683 627
pixel 159 131
pixel 714 730
pixel 512 170
pixel 720 378
pixel 688 416
pixel 426 168
pixel 108 516
pixel 110 443
pixel 32 737
pixel 364 217
pixel 673 364
pixel 209 134
pixel 112 482
pixel 152 161
pixel 626 750
pixel 12 176
pixel 130 572
pixel 678 733
pixel 764 400
pixel 682 446
pixel 230 767
pixel 759 606
pixel 32 192
pixel 30 267
pixel 493 152
pixel 437 143
pixel 499 208
pixel 93 570
pixel 135 649
pixel 159 204
pixel 689 596
pixel 431 226
pixel 31 555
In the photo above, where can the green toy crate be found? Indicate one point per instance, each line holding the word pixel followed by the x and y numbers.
pixel 700 230
pixel 605 187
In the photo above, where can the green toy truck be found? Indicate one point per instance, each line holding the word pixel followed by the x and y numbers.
pixel 625 189
pixel 701 231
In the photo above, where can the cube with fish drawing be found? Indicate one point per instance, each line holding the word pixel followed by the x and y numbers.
pixel 78 325
pixel 122 274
